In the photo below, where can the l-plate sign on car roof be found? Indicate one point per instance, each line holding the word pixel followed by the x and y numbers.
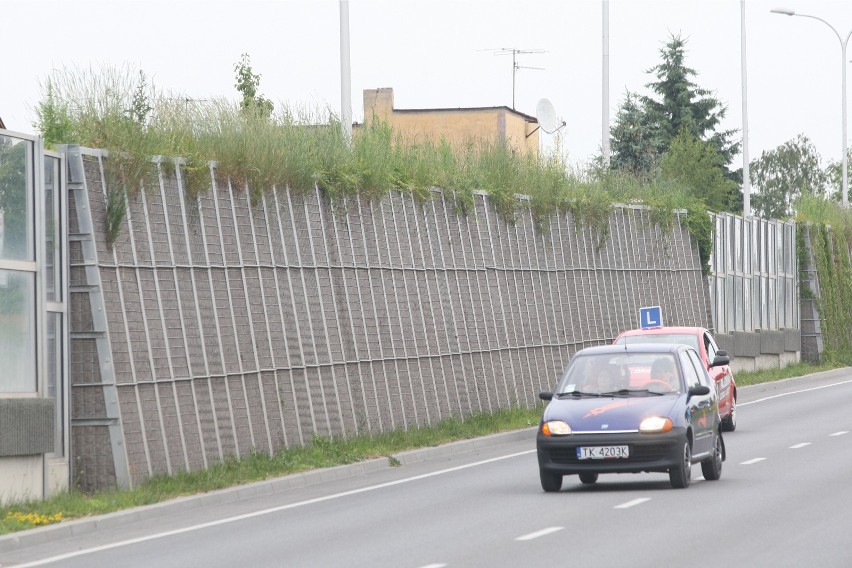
pixel 650 317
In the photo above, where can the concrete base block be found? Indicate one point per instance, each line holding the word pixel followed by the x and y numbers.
pixel 21 478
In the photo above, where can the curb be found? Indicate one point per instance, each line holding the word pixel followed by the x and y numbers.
pixel 88 525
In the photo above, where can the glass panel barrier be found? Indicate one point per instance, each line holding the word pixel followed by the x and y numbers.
pixel 17 332
pixel 52 234
pixel 16 212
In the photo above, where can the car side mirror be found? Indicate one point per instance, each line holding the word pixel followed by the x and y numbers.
pixel 700 390
pixel 721 359
pixel 545 395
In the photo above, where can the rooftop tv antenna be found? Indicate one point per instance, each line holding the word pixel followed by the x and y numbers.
pixel 515 65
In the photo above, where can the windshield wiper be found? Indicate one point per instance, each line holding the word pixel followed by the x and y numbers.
pixel 629 392
pixel 579 393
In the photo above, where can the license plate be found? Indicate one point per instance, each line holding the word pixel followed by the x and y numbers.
pixel 603 452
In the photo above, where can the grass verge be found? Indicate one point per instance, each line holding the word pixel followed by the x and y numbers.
pixel 788 372
pixel 323 452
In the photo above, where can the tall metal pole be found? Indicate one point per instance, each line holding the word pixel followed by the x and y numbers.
pixel 345 74
pixel 746 174
pixel 605 149
pixel 845 197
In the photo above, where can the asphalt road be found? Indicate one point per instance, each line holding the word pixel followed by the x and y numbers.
pixel 784 499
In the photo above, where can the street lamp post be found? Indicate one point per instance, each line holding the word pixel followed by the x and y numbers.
pixel 744 73
pixel 605 147
pixel 843 43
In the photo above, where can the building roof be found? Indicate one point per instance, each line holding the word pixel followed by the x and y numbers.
pixel 526 117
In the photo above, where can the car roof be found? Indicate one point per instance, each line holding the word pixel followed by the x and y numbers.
pixel 664 330
pixel 633 348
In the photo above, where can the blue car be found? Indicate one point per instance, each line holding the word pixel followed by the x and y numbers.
pixel 631 409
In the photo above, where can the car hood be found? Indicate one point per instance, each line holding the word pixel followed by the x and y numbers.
pixel 609 413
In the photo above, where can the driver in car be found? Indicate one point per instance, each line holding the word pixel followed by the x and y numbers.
pixel 663 370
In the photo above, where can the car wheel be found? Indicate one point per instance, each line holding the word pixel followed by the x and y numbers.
pixel 712 467
pixel 729 424
pixel 550 482
pixel 681 474
pixel 588 478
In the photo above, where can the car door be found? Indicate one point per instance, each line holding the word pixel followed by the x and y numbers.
pixel 702 408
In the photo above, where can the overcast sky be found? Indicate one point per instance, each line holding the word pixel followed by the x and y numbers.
pixel 441 54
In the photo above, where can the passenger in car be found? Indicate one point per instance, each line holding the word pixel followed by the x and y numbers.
pixel 605 378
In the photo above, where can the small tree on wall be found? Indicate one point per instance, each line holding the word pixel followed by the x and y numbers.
pixel 697 165
pixel 247 83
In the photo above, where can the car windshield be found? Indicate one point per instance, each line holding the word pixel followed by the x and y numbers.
pixel 661 338
pixel 621 374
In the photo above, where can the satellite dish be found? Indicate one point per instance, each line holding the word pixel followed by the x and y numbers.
pixel 546 115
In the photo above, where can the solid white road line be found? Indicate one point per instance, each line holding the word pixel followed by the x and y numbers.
pixel 802 445
pixel 840 433
pixel 755 460
pixel 540 533
pixel 792 392
pixel 632 503
pixel 263 512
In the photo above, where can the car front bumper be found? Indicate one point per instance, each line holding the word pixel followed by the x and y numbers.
pixel 647 452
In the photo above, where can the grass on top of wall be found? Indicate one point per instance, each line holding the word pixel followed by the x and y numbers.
pixel 820 211
pixel 301 148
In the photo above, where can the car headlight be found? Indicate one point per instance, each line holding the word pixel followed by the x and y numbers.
pixel 555 428
pixel 655 424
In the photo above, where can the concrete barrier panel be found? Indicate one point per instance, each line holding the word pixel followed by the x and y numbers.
pixel 792 340
pixel 746 344
pixel 771 342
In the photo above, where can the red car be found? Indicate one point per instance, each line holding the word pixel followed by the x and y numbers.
pixel 715 361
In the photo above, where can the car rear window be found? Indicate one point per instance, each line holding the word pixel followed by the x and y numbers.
pixel 665 338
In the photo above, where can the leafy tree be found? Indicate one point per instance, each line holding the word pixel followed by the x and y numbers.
pixel 683 104
pixel 247 84
pixel 834 172
pixel 646 128
pixel 636 143
pixel 781 175
pixel 698 165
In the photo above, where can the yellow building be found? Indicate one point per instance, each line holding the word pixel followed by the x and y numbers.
pixel 458 126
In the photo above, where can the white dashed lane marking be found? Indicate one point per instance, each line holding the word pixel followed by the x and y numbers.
pixel 840 433
pixel 755 460
pixel 632 503
pixel 540 533
pixel 802 445
pixel 434 566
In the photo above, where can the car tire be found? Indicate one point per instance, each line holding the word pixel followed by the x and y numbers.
pixel 729 423
pixel 681 474
pixel 712 467
pixel 550 482
pixel 588 478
